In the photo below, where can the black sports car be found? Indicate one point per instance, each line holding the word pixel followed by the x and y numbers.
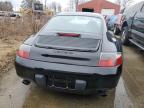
pixel 73 52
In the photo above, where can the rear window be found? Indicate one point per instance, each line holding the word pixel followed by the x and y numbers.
pixel 78 24
pixel 67 42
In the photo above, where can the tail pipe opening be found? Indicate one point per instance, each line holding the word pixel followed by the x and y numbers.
pixel 26 82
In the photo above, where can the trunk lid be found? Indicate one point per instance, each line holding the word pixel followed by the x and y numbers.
pixel 67 50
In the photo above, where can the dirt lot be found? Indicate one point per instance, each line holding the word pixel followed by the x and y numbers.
pixel 11 35
pixel 8 49
pixel 13 94
pixel 134 74
pixel 12 32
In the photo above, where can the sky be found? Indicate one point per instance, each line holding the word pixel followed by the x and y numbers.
pixel 64 3
pixel 16 3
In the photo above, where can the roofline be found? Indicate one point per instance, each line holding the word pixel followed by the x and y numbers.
pixel 93 0
pixel 112 3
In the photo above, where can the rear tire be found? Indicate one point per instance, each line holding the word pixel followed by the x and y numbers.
pixel 124 36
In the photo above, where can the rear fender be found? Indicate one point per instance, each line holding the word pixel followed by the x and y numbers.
pixel 30 40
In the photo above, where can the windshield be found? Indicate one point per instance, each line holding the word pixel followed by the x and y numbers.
pixel 79 24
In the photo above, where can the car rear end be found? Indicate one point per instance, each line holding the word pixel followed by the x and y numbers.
pixel 68 60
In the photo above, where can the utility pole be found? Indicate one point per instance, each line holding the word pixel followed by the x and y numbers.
pixel 76 4
pixel 45 4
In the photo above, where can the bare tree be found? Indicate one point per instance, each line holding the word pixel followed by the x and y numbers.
pixel 28 3
pixel 6 6
pixel 125 2
pixel 59 7
pixel 56 7
pixel 118 2
pixel 45 4
pixel 76 4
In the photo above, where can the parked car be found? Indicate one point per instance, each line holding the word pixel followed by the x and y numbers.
pixel 132 27
pixel 15 15
pixel 74 53
pixel 111 21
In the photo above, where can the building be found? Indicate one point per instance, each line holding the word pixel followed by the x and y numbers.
pixel 73 3
pixel 99 6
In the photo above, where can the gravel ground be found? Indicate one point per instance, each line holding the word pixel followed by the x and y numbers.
pixel 134 74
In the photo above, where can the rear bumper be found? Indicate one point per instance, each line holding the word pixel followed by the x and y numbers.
pixel 64 77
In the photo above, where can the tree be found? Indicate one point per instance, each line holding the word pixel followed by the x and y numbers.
pixel 45 4
pixel 59 8
pixel 125 3
pixel 118 2
pixel 6 6
pixel 28 3
pixel 76 4
pixel 56 7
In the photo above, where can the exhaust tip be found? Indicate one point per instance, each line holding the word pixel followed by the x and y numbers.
pixel 26 82
pixel 103 93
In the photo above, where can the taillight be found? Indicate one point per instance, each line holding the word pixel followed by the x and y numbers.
pixel 106 63
pixel 118 60
pixel 110 60
pixel 23 54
